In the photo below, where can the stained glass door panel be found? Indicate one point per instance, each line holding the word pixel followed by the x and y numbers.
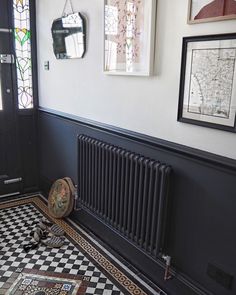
pixel 22 34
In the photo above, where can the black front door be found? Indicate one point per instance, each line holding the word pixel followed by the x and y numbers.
pixel 10 174
pixel 17 125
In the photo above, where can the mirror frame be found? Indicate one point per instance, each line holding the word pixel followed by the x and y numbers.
pixel 59 20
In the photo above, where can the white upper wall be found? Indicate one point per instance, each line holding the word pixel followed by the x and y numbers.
pixel 144 104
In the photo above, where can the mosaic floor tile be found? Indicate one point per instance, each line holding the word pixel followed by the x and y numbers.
pixel 79 256
pixel 31 282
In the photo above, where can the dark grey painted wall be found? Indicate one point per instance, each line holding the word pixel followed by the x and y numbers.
pixel 203 201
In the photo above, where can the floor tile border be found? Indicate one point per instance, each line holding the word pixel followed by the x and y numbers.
pixel 136 275
pixel 102 261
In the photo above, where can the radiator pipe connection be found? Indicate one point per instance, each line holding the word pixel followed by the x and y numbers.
pixel 167 260
pixel 76 198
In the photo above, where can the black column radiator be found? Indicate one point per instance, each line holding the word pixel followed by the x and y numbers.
pixel 125 190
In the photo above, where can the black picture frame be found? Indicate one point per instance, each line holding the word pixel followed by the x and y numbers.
pixel 207 92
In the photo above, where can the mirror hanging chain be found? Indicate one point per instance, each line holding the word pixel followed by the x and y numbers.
pixel 64 9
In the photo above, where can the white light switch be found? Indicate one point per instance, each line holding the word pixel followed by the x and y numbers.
pixel 46 65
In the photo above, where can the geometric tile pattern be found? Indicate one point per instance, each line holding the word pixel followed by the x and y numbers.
pixel 76 257
pixel 32 282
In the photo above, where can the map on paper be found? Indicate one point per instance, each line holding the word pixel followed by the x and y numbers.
pixel 211 81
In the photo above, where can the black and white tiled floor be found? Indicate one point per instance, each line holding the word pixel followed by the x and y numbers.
pixel 14 232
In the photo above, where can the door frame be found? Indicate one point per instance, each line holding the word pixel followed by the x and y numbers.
pixel 25 120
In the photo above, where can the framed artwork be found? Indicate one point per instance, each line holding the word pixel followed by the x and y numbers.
pixel 211 10
pixel 129 32
pixel 207 95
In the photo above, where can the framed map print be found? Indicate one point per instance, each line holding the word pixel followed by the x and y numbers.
pixel 211 10
pixel 207 95
pixel 129 31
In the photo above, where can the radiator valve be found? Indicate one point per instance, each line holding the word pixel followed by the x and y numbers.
pixel 167 269
pixel 76 198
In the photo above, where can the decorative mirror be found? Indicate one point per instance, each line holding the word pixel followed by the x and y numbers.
pixel 69 36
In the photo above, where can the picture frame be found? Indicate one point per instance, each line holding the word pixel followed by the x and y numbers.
pixel 129 34
pixel 207 93
pixel 200 11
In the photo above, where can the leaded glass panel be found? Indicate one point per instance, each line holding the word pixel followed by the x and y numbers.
pixel 23 53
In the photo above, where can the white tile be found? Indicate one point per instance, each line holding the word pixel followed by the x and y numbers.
pixel 94 279
pixel 29 265
pixel 73 271
pixel 83 267
pixel 5 267
pixel 88 273
pixel 8 273
pixel 68 265
pixel 90 290
pixel 100 286
pixel 39 262
pixel 59 269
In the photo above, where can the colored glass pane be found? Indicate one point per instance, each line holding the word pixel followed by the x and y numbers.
pixel 23 53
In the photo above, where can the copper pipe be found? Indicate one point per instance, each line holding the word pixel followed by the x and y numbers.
pixel 167 259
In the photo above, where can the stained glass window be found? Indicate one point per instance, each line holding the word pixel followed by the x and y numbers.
pixel 23 53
